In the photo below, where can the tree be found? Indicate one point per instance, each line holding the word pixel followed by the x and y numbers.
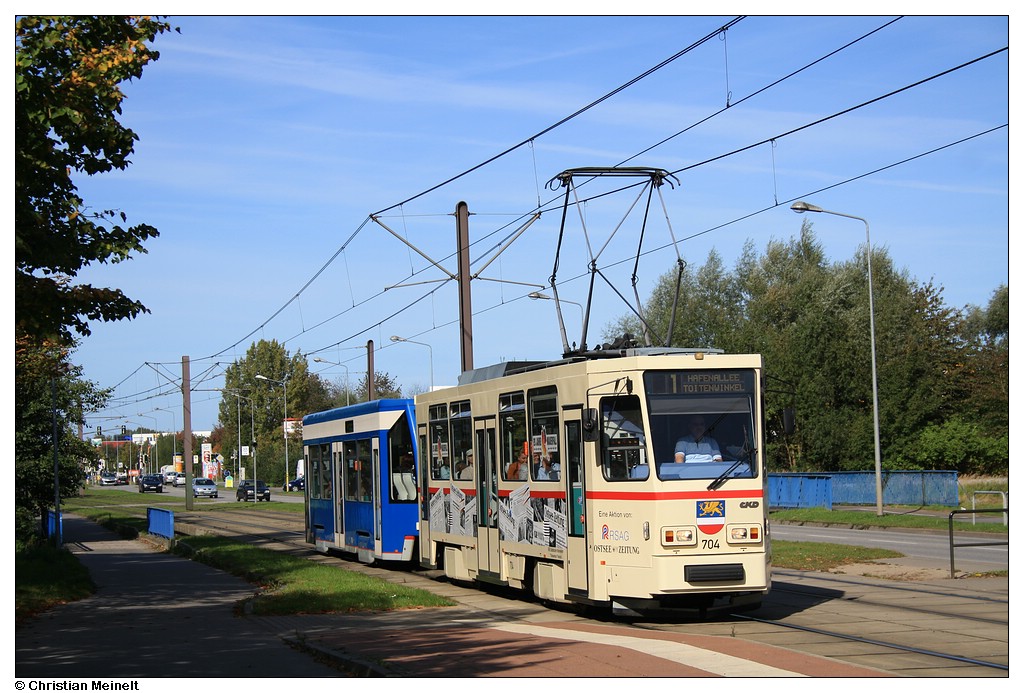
pixel 48 387
pixel 810 320
pixel 68 72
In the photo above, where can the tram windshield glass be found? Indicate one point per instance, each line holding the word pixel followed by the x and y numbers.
pixel 701 423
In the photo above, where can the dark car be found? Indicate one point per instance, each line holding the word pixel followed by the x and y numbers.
pixel 295 485
pixel 151 482
pixel 246 491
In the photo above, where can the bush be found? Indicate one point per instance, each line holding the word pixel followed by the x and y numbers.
pixel 961 445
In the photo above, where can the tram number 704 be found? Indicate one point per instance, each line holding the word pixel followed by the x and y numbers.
pixel 709 544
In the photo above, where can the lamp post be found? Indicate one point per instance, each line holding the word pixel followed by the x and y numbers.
pixel 283 383
pixel 157 452
pixel 320 360
pixel 174 432
pixel 396 338
pixel 800 208
pixel 535 295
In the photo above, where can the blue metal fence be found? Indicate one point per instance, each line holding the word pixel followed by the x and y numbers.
pixel 789 490
pixel 161 522
pixel 918 487
pixel 821 490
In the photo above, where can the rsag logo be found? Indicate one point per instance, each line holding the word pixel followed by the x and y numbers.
pixel 609 534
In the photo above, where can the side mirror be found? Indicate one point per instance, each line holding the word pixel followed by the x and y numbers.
pixel 591 429
pixel 788 420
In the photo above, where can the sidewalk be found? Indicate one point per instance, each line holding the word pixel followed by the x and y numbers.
pixel 158 615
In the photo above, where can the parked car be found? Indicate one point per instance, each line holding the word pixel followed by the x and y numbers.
pixel 247 491
pixel 108 479
pixel 180 479
pixel 169 477
pixel 295 484
pixel 204 487
pixel 151 482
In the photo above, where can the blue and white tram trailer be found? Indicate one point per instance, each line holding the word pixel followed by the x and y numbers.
pixel 361 495
pixel 586 480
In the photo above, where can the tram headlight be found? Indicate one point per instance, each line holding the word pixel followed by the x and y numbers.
pixel 678 536
pixel 744 534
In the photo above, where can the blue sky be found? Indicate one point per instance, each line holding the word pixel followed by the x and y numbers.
pixel 266 142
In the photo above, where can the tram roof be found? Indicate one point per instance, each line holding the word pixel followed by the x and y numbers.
pixel 499 370
pixel 358 409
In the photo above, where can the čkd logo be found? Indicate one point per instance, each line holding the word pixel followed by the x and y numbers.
pixel 749 504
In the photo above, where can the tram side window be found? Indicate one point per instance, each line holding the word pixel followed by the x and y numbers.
pixel 358 471
pixel 623 454
pixel 544 461
pixel 440 462
pixel 403 464
pixel 515 448
pixel 319 470
pixel 462 440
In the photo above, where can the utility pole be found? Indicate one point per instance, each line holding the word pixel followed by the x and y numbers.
pixel 371 388
pixel 465 294
pixel 186 432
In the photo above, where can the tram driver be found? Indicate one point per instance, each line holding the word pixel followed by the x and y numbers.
pixel 697 446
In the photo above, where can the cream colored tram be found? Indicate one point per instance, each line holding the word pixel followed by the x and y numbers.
pixel 588 480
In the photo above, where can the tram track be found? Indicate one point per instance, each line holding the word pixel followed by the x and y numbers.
pixel 870 622
pixel 880 643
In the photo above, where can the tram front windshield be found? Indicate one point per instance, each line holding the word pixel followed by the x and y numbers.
pixel 702 424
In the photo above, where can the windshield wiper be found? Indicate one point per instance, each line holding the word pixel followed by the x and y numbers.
pixel 724 475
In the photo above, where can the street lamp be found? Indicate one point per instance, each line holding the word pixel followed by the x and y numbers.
pixel 174 432
pixel 396 338
pixel 285 428
pixel 320 360
pixel 157 452
pixel 800 208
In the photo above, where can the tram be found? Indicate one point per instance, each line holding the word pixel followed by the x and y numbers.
pixel 632 478
pixel 361 495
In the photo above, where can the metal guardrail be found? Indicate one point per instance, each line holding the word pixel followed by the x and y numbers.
pixel 952 564
pixel 974 502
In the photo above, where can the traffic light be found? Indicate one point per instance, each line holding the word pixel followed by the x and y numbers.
pixel 124 430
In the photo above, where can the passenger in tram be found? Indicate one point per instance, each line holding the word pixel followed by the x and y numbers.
pixel 443 471
pixel 519 469
pixel 697 446
pixel 467 467
pixel 549 468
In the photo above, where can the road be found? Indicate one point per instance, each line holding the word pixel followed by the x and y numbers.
pixel 931 546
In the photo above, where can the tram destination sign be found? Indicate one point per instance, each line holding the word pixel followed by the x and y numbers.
pixel 700 382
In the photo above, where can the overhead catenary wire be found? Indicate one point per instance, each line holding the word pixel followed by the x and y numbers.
pixel 690 167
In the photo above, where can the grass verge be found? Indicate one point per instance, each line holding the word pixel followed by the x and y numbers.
pixel 864 519
pixel 294 585
pixel 822 557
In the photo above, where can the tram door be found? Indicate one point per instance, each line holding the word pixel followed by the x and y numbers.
pixel 376 500
pixel 335 487
pixel 576 541
pixel 486 474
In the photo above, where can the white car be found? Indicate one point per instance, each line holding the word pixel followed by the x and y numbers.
pixel 179 480
pixel 204 487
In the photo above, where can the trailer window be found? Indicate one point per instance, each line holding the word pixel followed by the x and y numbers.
pixel 402 462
